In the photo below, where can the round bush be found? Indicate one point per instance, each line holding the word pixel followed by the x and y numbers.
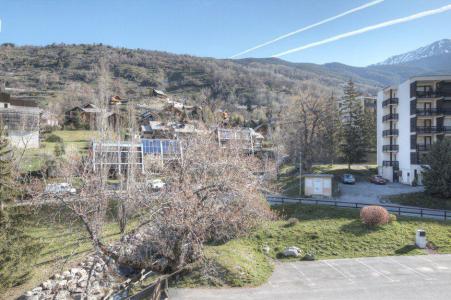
pixel 292 222
pixel 393 218
pixel 374 215
pixel 53 138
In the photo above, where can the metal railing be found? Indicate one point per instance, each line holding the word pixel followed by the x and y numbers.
pixel 424 147
pixel 432 94
pixel 433 129
pixel 390 117
pixel 428 111
pixel 387 148
pixel 389 132
pixel 399 210
pixel 390 101
pixel 390 163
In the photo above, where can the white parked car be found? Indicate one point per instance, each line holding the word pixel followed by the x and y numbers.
pixel 156 184
pixel 59 188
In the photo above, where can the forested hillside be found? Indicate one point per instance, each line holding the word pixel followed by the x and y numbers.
pixel 58 70
pixel 66 68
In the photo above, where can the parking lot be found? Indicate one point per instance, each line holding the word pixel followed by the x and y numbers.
pixel 402 277
pixel 366 192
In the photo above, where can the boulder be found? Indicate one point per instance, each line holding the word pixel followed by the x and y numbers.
pixel 37 290
pixel 62 284
pixel 57 277
pixel 30 296
pixel 62 295
pixel 78 296
pixel 292 251
pixel 48 285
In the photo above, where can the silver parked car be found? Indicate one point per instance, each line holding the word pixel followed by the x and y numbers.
pixel 348 179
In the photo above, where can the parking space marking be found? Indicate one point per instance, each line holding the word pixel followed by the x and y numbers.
pixel 338 270
pixel 411 269
pixel 376 271
pixel 436 265
pixel 307 279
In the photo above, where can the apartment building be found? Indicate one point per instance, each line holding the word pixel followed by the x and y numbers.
pixel 410 118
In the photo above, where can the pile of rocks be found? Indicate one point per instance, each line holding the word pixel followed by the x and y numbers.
pixel 90 280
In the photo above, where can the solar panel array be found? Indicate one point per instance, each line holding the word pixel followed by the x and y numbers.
pixel 160 146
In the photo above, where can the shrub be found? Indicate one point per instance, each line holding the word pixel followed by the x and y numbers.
pixel 53 138
pixel 292 222
pixel 374 215
pixel 393 218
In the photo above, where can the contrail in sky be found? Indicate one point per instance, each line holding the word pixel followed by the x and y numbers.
pixel 368 28
pixel 309 27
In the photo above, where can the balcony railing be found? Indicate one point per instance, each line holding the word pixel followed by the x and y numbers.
pixel 432 111
pixel 390 163
pixel 390 101
pixel 428 112
pixel 433 129
pixel 390 117
pixel 390 148
pixel 424 147
pixel 389 132
pixel 432 94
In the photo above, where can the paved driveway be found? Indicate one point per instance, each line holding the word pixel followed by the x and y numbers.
pixel 365 192
pixel 403 277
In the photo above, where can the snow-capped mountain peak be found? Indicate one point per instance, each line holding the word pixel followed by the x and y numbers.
pixel 437 48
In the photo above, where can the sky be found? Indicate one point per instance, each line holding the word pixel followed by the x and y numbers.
pixel 223 28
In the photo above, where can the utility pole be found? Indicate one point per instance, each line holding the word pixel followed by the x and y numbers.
pixel 300 173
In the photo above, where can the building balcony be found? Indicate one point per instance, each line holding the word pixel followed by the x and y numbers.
pixel 433 129
pixel 432 94
pixel 432 112
pixel 428 112
pixel 390 101
pixel 390 148
pixel 390 117
pixel 390 163
pixel 423 147
pixel 390 132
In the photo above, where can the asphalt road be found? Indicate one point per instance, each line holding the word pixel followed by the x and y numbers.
pixel 366 192
pixel 401 277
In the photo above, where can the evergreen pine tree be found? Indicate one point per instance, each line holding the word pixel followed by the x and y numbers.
pixel 353 134
pixel 6 167
pixel 437 173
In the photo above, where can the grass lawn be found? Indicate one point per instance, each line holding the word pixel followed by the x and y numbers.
pixel 323 231
pixel 78 140
pixel 421 200
pixel 64 245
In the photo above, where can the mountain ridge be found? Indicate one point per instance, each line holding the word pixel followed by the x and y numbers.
pixel 224 82
pixel 434 49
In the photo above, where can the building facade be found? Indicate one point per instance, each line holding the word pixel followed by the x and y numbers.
pixel 21 119
pixel 410 118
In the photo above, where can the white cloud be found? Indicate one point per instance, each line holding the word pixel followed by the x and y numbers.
pixel 309 27
pixel 367 29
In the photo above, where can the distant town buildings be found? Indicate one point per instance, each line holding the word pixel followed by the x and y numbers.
pixel 410 117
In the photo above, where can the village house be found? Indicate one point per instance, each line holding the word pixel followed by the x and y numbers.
pixel 86 116
pixel 21 119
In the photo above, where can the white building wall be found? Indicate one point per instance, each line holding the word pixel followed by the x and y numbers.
pixel 24 139
pixel 404 132
pixel 379 129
